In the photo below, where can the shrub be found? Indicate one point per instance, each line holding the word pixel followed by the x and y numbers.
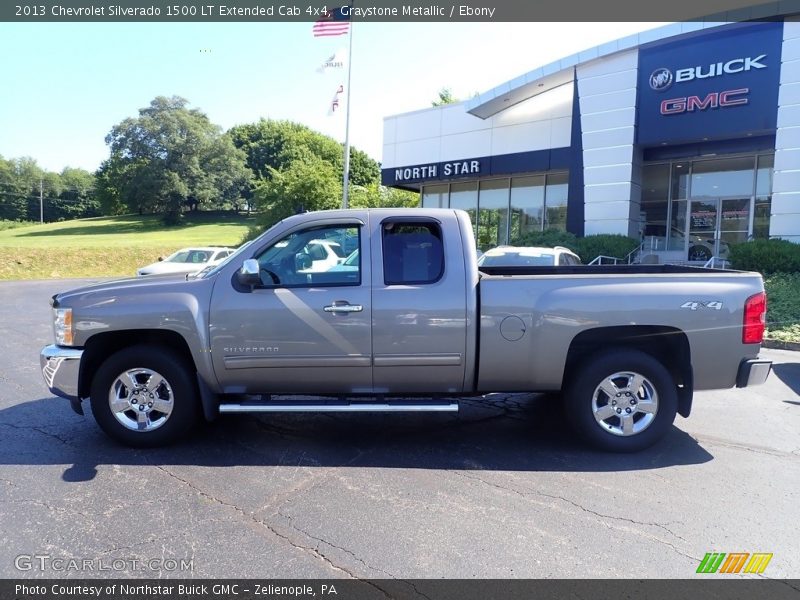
pixel 783 306
pixel 766 256
pixel 547 239
pixel 588 248
pixel 618 246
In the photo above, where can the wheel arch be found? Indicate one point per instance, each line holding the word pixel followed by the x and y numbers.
pixel 102 345
pixel 668 345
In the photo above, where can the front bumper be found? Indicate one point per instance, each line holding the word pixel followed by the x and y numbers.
pixel 753 371
pixel 60 369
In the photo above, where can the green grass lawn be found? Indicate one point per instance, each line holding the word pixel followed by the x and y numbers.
pixel 109 246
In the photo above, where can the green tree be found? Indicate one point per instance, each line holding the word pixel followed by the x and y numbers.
pixel 13 195
pixel 273 145
pixel 168 158
pixel 445 97
pixel 77 198
pixel 308 183
pixel 379 196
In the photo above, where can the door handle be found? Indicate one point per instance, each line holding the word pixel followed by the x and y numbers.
pixel 343 307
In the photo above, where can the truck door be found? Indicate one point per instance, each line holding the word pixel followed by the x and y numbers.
pixel 418 304
pixel 307 327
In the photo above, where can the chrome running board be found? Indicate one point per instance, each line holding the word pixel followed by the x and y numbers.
pixel 339 407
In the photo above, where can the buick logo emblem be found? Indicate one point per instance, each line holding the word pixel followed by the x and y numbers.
pixel 660 79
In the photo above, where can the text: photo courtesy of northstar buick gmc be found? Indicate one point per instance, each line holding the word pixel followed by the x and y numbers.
pixel 411 323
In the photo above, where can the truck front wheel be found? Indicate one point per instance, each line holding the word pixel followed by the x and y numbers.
pixel 144 396
pixel 621 401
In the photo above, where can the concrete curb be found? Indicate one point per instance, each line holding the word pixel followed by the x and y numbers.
pixel 781 345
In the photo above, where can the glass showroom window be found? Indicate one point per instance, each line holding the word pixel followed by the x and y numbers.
pixel 763 203
pixel 464 196
pixel 493 209
pixel 502 210
pixel 714 203
pixel 435 196
pixel 527 206
pixel 655 202
pixel 555 201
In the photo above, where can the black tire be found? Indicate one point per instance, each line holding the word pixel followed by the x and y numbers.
pixel 179 395
pixel 700 253
pixel 580 402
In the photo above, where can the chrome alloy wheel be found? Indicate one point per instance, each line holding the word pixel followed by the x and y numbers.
pixel 625 403
pixel 141 399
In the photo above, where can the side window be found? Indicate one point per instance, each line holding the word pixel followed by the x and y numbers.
pixel 413 253
pixel 300 259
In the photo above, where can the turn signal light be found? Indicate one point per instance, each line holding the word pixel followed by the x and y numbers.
pixel 62 324
pixel 755 319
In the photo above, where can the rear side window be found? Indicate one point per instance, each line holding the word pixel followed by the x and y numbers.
pixel 413 253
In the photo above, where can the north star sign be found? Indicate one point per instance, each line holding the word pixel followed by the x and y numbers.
pixel 456 168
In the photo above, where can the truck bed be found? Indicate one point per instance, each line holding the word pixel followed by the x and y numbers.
pixel 603 270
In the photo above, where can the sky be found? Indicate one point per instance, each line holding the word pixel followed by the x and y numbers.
pixel 65 85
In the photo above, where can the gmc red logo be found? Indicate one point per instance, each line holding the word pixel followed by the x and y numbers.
pixel 676 106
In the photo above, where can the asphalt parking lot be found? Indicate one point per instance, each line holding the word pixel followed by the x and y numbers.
pixel 499 490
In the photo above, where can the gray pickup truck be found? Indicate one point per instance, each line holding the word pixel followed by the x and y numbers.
pixel 404 321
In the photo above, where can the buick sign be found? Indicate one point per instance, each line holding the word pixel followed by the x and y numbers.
pixel 660 79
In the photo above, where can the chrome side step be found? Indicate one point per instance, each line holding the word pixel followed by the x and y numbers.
pixel 339 407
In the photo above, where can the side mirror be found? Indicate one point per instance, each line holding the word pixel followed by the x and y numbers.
pixel 302 261
pixel 249 273
pixel 160 258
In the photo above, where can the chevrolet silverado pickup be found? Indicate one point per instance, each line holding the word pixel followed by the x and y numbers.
pixel 406 322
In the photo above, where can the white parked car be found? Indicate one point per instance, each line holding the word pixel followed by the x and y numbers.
pixel 187 260
pixel 520 256
pixel 319 256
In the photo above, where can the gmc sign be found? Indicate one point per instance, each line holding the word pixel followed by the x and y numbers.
pixel 675 106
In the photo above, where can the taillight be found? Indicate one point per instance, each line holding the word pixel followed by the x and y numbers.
pixel 755 319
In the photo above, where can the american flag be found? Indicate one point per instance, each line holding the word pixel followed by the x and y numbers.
pixel 332 23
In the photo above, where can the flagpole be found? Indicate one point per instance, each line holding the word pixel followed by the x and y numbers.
pixel 346 175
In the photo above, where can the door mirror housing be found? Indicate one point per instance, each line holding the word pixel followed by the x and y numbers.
pixel 249 273
pixel 302 261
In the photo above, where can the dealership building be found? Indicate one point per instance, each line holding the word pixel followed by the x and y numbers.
pixel 686 136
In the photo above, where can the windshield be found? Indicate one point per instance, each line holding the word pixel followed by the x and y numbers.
pixel 516 259
pixel 189 256
pixel 352 260
pixel 208 271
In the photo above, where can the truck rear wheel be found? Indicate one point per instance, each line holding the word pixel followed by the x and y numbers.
pixel 621 401
pixel 144 396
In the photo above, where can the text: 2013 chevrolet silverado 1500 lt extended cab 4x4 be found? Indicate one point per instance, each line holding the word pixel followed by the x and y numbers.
pixel 407 314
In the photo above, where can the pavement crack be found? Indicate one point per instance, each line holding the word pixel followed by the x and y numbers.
pixel 50 507
pixel 39 430
pixel 709 440
pixel 262 523
pixel 132 546
pixel 587 510
pixel 332 545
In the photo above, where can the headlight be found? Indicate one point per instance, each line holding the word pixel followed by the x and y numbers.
pixel 62 326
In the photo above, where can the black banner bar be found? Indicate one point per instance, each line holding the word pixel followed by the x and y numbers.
pixel 383 589
pixel 389 10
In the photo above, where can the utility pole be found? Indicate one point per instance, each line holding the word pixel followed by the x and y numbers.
pixel 41 201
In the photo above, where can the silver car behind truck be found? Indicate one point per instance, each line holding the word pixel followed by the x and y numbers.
pixel 627 345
